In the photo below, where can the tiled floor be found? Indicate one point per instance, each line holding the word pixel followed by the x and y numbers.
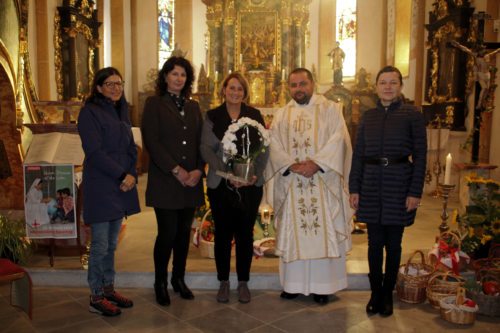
pixel 65 310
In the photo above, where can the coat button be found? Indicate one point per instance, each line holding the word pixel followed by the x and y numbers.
pixel 183 157
pixel 185 127
pixel 184 142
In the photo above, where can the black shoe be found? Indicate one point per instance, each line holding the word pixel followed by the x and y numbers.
pixel 286 295
pixel 180 286
pixel 373 306
pixel 321 299
pixel 161 292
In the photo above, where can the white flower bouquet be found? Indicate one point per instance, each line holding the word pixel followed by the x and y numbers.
pixel 242 143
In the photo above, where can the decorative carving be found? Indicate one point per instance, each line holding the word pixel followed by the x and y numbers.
pixel 76 40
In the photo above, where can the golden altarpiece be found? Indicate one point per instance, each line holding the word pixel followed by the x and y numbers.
pixel 263 39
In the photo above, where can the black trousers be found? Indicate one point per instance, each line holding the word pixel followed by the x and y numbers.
pixel 388 237
pixel 234 213
pixel 174 233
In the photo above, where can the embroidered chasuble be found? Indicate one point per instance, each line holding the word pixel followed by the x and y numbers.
pixel 312 215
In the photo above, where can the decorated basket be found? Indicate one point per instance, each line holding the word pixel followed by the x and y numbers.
pixel 412 279
pixel 458 314
pixel 206 247
pixel 442 285
pixel 489 305
pixel 447 254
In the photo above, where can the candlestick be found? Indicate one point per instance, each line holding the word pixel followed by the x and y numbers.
pixel 447 170
pixel 445 190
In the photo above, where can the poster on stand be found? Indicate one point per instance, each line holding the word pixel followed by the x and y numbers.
pixel 49 201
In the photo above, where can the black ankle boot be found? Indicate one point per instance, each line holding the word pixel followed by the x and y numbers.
pixel 374 305
pixel 386 308
pixel 180 286
pixel 161 292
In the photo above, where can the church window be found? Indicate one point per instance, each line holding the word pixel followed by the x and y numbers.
pixel 346 32
pixel 165 30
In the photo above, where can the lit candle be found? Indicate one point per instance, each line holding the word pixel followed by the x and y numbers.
pixel 229 72
pixel 216 76
pixel 447 170
pixel 274 59
pixel 241 58
pixel 283 74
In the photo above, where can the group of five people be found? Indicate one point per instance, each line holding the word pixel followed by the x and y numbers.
pixel 318 183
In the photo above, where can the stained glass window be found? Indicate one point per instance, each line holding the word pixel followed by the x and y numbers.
pixel 346 26
pixel 165 30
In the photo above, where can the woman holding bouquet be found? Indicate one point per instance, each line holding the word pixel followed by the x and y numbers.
pixel 234 204
pixel 171 129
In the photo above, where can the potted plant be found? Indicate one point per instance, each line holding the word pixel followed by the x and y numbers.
pixel 14 245
pixel 480 225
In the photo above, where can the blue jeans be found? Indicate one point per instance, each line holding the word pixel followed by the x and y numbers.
pixel 104 238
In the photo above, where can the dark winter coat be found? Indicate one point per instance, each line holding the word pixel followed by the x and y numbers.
pixel 110 152
pixel 171 140
pixel 396 132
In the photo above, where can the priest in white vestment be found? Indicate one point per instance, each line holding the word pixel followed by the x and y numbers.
pixel 309 166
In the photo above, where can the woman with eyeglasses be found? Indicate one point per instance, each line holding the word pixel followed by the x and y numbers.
pixel 109 179
pixel 171 130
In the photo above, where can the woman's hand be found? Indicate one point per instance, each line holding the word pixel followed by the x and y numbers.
pixel 182 175
pixel 194 178
pixel 354 201
pixel 237 184
pixel 128 183
pixel 412 203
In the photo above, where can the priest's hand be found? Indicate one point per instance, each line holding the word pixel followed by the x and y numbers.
pixel 194 178
pixel 310 168
pixel 354 201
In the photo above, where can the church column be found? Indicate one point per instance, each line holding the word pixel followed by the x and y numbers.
pixel 286 36
pixel 229 32
pixel 42 50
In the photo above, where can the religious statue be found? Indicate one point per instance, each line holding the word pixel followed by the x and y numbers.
pixel 337 56
pixel 481 68
pixel 178 52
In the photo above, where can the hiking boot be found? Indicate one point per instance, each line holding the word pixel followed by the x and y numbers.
pixel 119 300
pixel 243 292
pixel 223 294
pixel 104 307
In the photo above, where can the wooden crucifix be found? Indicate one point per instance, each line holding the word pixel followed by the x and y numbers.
pixel 482 53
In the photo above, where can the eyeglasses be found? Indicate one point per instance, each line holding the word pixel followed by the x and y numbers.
pixel 111 84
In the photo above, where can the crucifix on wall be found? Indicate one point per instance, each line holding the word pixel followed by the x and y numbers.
pixel 482 53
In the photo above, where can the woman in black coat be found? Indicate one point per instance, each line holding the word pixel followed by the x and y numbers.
pixel 386 181
pixel 234 205
pixel 171 130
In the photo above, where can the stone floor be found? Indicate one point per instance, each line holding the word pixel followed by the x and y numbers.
pixel 65 310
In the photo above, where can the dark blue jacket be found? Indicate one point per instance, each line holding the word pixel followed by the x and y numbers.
pixel 110 152
pixel 396 132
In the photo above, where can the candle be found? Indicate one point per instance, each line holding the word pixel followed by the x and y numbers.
pixel 216 76
pixel 447 170
pixel 274 59
pixel 241 58
pixel 229 72
pixel 283 74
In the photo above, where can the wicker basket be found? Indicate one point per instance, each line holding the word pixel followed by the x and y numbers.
pixel 442 285
pixel 412 280
pixel 206 247
pixel 458 314
pixel 491 265
pixel 489 305
pixel 438 265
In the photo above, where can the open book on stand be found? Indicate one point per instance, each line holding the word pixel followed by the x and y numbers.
pixel 55 148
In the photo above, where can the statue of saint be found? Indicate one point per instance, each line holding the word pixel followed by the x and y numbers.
pixel 178 52
pixel 337 57
pixel 481 68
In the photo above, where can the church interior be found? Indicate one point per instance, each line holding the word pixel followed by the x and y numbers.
pixel 50 50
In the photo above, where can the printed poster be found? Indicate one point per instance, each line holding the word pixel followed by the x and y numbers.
pixel 49 201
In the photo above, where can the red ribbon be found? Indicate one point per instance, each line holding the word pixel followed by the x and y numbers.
pixel 451 250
